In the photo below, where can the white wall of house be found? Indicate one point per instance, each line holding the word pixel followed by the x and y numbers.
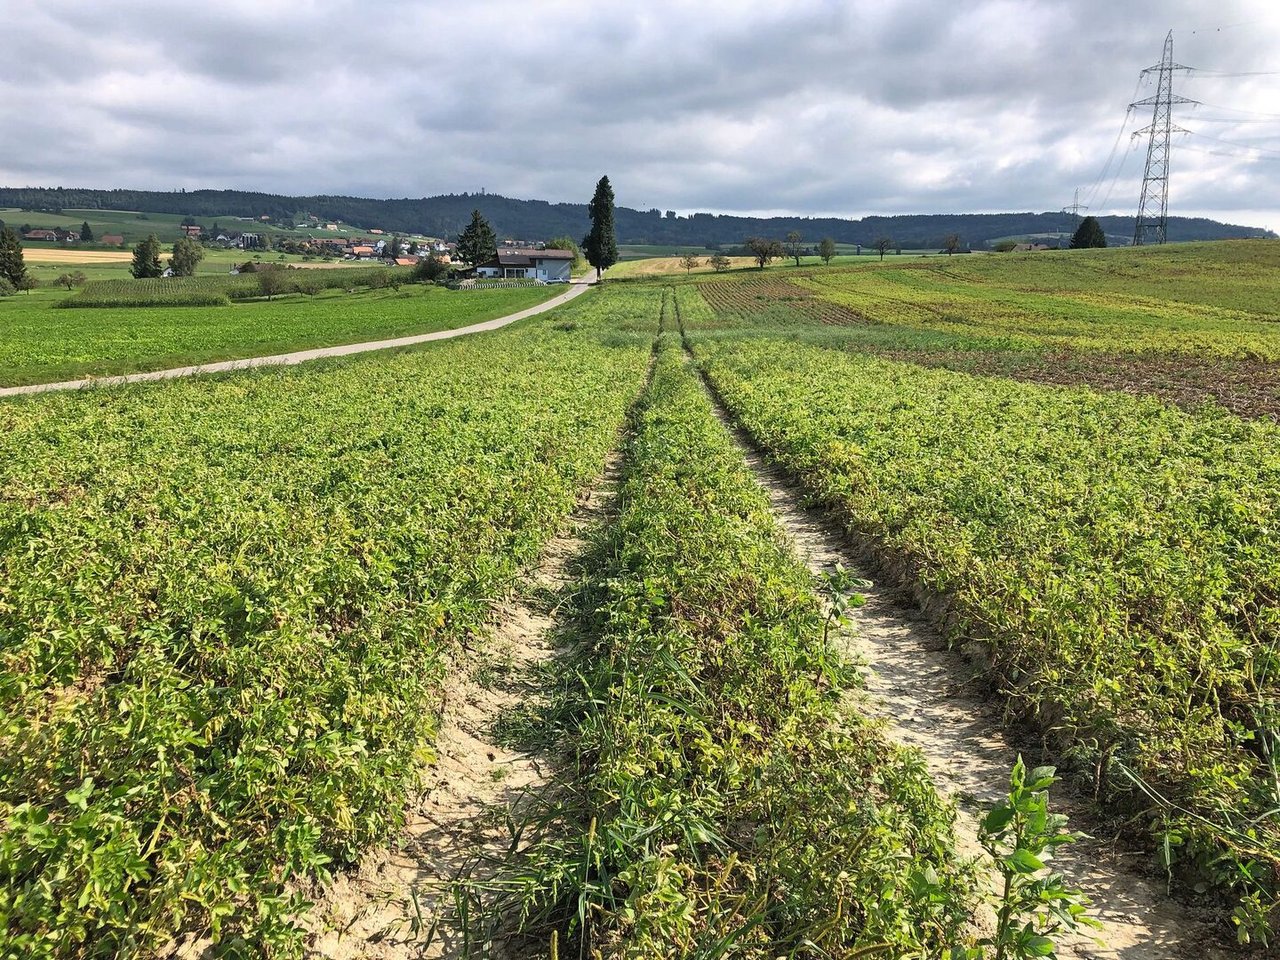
pixel 552 269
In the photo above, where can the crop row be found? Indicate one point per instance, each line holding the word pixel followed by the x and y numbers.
pixel 162 292
pixel 1119 558
pixel 1083 319
pixel 764 299
pixel 225 609
pixel 729 804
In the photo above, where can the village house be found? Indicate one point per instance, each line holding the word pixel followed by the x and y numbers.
pixel 40 235
pixel 193 232
pixel 525 263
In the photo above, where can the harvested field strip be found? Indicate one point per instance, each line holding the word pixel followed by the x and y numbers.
pixel 226 607
pixel 1117 558
pixel 726 803
pixel 757 298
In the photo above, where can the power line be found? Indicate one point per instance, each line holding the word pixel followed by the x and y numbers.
pixel 1153 205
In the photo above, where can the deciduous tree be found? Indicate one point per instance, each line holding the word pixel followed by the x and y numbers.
pixel 827 250
pixel 1088 234
pixel 13 266
pixel 951 243
pixel 430 269
pixel 765 251
pixel 601 244
pixel 567 243
pixel 187 255
pixel 478 243
pixel 795 246
pixel 884 245
pixel 27 283
pixel 146 259
pixel 720 263
pixel 690 261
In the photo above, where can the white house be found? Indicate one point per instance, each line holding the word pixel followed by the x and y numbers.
pixel 524 263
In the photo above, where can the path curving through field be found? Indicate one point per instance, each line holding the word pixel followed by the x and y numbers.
pixel 926 695
pixel 576 288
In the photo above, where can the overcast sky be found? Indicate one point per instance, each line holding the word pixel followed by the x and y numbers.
pixel 803 106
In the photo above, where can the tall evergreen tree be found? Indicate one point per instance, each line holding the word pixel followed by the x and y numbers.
pixel 86 233
pixel 478 243
pixel 601 244
pixel 1088 234
pixel 146 259
pixel 13 266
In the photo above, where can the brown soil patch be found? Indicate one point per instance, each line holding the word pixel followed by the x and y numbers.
pixel 1248 388
pixel 747 299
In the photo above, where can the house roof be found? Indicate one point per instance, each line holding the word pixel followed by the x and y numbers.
pixel 524 256
pixel 406 261
pixel 361 250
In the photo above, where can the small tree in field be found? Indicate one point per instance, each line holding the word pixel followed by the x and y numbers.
pixel 273 282
pixel 827 250
pixel 69 280
pixel 884 245
pixel 951 243
pixel 27 283
pixel 690 261
pixel 187 255
pixel 720 263
pixel 308 282
pixel 795 246
pixel 430 269
pixel 146 259
pixel 1088 234
pixel 13 266
pixel 764 251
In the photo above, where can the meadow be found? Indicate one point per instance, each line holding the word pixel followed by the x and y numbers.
pixel 40 343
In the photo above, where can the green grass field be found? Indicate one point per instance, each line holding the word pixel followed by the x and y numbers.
pixel 41 344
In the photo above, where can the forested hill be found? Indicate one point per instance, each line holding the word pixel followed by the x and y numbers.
pixel 536 219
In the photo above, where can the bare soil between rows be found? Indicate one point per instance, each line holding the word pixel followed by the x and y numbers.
pixel 399 904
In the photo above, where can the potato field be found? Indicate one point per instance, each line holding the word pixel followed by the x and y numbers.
pixel 239 615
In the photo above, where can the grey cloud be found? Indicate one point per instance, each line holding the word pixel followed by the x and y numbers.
pixel 814 106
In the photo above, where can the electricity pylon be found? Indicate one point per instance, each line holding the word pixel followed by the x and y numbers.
pixel 1153 207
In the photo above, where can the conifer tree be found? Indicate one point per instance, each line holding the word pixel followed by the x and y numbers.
pixel 601 244
pixel 146 259
pixel 86 233
pixel 13 266
pixel 478 243
pixel 1088 234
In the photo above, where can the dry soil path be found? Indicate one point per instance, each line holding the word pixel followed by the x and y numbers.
pixel 926 695
pixel 397 905
pixel 302 356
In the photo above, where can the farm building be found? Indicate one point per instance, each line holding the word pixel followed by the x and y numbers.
pixel 40 235
pixel 524 263
pixel 112 239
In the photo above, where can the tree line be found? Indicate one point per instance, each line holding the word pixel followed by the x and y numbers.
pixel 448 214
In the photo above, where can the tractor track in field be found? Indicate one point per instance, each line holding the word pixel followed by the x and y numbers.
pixel 930 699
pixel 399 903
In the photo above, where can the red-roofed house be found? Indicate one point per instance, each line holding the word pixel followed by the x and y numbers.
pixel 112 239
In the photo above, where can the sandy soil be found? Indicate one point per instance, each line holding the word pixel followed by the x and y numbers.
pixel 87 257
pixel 398 905
pixel 927 696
